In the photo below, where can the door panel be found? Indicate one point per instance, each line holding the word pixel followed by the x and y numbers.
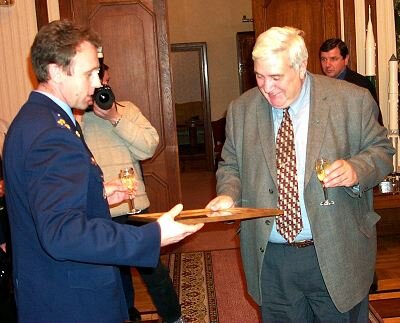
pixel 135 46
pixel 319 19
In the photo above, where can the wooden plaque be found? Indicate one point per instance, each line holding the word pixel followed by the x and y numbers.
pixel 207 216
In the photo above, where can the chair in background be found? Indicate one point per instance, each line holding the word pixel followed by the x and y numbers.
pixel 218 130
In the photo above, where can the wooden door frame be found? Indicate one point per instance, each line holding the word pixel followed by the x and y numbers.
pixel 201 49
pixel 242 67
pixel 42 17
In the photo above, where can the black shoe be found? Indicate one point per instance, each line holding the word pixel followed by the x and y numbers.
pixel 134 315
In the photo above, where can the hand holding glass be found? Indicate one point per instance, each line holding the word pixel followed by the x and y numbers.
pixel 321 164
pixel 127 176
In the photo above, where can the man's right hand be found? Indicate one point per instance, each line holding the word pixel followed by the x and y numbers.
pixel 172 231
pixel 221 202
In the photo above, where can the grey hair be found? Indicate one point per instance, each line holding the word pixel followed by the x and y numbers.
pixel 282 39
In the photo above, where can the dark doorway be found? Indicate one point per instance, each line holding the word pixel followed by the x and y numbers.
pixel 245 42
pixel 192 105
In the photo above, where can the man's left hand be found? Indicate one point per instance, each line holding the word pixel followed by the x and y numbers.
pixel 340 173
pixel 117 192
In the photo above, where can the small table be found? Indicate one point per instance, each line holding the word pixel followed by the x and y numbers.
pixel 386 201
pixel 388 207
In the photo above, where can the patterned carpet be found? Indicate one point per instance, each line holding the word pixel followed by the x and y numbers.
pixel 195 282
pixel 192 274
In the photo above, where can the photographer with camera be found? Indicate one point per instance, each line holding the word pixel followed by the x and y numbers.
pixel 119 136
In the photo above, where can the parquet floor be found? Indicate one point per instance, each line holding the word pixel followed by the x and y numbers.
pixel 387 299
pixel 199 187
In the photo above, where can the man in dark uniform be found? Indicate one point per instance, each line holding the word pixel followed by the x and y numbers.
pixel 66 248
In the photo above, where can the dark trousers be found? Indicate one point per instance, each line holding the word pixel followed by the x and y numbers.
pixel 8 310
pixel 158 283
pixel 293 289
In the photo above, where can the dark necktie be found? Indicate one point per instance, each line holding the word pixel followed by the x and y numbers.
pixel 79 129
pixel 290 224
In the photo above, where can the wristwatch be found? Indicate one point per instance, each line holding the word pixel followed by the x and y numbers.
pixel 115 123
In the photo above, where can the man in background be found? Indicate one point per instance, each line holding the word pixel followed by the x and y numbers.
pixel 334 58
pixel 66 248
pixel 120 137
pixel 315 263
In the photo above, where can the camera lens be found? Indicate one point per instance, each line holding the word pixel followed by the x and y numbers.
pixel 104 97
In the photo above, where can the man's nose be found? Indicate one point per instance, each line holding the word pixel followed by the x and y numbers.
pixel 268 86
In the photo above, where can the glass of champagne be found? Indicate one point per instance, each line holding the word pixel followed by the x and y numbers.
pixel 127 176
pixel 321 164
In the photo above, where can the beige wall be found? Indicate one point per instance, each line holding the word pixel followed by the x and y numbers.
pixel 215 22
pixel 17 30
pixel 186 81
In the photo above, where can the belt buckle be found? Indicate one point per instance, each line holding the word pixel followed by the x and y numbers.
pixel 301 244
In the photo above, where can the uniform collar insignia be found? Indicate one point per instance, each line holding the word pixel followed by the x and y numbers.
pixel 63 124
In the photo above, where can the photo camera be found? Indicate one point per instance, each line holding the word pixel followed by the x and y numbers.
pixel 104 97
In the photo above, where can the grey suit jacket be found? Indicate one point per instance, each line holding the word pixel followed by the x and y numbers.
pixel 342 125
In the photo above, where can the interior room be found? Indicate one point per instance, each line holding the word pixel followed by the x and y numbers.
pixel 183 62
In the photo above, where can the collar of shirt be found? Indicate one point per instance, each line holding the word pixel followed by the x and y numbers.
pixel 61 104
pixel 342 74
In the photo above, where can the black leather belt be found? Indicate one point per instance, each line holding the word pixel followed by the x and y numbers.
pixel 300 244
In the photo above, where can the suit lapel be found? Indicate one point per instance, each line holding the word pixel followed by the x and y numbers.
pixel 265 129
pixel 317 124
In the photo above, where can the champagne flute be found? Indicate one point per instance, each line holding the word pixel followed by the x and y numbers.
pixel 127 176
pixel 321 164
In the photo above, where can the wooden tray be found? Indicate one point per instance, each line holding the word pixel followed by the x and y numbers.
pixel 207 216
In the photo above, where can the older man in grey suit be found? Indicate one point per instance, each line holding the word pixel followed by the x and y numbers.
pixel 324 270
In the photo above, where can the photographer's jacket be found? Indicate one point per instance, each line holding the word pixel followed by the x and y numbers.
pixel 114 148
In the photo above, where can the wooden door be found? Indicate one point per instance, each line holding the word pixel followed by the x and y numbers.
pixel 244 44
pixel 135 46
pixel 319 19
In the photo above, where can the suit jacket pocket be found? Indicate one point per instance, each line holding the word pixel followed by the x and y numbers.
pixel 367 223
pixel 92 278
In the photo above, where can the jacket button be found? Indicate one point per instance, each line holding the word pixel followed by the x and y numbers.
pixel 270 191
pixel 267 222
pixel 261 249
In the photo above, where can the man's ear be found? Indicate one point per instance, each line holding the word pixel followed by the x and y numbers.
pixel 346 60
pixel 303 70
pixel 56 73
